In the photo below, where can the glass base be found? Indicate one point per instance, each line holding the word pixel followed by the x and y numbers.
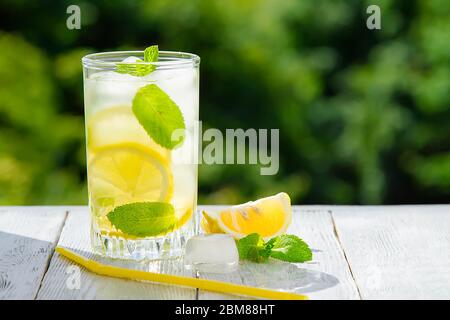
pixel 165 247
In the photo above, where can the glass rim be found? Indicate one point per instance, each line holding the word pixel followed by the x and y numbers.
pixel 169 59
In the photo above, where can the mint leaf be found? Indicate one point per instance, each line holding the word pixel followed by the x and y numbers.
pixel 159 115
pixel 290 248
pixel 144 219
pixel 140 68
pixel 151 54
pixel 252 248
pixel 137 69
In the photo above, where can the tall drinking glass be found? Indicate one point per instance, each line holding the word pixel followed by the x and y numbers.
pixel 142 187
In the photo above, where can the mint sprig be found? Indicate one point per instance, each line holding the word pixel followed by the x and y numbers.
pixel 288 248
pixel 291 248
pixel 252 247
pixel 159 115
pixel 151 54
pixel 140 68
pixel 144 219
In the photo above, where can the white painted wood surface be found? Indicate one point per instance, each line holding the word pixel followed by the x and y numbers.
pixel 397 252
pixel 384 252
pixel 326 277
pixel 58 284
pixel 27 239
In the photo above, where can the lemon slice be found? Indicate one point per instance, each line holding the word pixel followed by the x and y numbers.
pixel 126 173
pixel 268 217
pixel 116 125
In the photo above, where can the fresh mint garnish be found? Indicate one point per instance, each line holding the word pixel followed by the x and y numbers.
pixel 151 54
pixel 288 248
pixel 143 219
pixel 137 69
pixel 155 110
pixel 140 68
pixel 252 248
pixel 291 248
pixel 159 115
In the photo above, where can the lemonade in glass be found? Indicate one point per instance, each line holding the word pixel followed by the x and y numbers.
pixel 140 109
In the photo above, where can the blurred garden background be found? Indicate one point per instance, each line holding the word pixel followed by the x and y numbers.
pixel 364 115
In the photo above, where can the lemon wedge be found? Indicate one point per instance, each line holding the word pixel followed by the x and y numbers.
pixel 268 217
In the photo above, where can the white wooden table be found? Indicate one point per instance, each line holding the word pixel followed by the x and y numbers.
pixel 382 252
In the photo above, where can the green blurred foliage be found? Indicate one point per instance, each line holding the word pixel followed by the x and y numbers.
pixel 364 115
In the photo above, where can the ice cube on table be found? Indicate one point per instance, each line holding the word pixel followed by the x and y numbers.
pixel 215 253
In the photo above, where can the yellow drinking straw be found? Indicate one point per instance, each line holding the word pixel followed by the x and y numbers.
pixel 210 285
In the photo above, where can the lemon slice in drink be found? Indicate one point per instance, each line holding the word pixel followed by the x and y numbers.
pixel 126 173
pixel 118 125
pixel 268 217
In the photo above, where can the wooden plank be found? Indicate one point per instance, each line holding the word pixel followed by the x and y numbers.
pixel 58 282
pixel 397 252
pixel 27 238
pixel 327 277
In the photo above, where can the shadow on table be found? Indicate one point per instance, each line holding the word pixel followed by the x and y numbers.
pixel 281 275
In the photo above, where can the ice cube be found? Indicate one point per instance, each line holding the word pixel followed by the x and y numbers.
pixel 109 88
pixel 211 253
pixel 182 87
pixel 113 76
pixel 131 59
